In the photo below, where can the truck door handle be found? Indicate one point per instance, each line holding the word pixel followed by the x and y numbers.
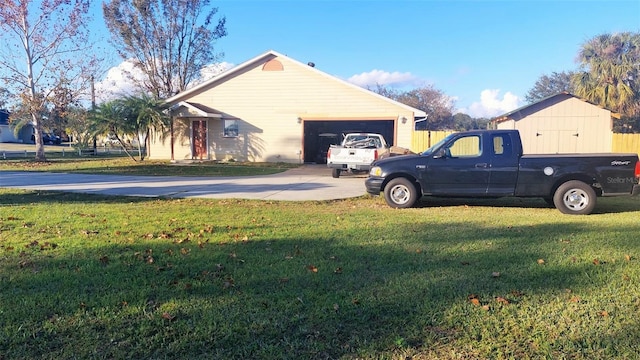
pixel 482 165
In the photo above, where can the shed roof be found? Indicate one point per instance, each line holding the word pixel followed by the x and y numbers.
pixel 529 109
pixel 228 74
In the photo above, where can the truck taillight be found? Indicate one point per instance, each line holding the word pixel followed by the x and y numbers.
pixel 375 157
pixel 637 169
pixel 329 153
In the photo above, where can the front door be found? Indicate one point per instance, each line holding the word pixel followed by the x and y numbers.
pixel 199 137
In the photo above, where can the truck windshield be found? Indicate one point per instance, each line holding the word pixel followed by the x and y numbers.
pixel 430 150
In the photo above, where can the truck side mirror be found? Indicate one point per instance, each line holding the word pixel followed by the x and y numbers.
pixel 440 154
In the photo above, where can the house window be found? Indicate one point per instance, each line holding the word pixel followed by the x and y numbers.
pixel 230 128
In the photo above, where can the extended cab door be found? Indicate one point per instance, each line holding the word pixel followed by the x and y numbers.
pixel 460 168
pixel 505 157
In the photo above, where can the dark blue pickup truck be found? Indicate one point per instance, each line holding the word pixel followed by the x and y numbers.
pixel 490 163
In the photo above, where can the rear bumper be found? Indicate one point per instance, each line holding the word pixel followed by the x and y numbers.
pixel 636 190
pixel 373 185
pixel 361 167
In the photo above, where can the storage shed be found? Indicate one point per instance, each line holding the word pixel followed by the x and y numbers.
pixel 562 123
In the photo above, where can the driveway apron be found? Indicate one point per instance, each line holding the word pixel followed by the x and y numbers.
pixel 300 184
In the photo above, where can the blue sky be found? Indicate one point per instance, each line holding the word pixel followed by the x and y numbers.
pixel 484 54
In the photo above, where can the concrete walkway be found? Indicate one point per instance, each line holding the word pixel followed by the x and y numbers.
pixel 309 182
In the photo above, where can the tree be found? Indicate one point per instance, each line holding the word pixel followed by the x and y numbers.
pixel 610 73
pixel 548 85
pixel 438 106
pixel 130 117
pixel 142 114
pixel 42 40
pixel 463 122
pixel 168 40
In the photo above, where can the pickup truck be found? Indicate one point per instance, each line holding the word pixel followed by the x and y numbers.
pixel 356 153
pixel 490 163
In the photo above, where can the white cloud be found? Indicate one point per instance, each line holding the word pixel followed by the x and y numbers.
pixel 121 80
pixel 380 77
pixel 491 105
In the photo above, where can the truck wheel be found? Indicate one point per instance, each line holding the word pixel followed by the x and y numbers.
pixel 400 193
pixel 575 198
pixel 335 173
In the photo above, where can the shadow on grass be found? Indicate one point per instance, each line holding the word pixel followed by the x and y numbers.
pixel 313 297
pixel 25 197
pixel 605 205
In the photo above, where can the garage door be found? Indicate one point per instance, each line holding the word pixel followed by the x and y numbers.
pixel 318 135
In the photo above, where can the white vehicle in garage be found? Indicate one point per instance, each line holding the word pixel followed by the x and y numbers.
pixel 356 153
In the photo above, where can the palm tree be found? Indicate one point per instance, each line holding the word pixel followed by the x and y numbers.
pixel 143 114
pixel 110 118
pixel 610 71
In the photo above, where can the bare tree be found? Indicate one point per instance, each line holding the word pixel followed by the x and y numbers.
pixel 168 40
pixel 42 40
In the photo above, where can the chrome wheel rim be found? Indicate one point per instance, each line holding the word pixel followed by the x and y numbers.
pixel 576 199
pixel 400 194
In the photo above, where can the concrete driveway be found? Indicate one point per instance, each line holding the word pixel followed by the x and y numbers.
pixel 309 182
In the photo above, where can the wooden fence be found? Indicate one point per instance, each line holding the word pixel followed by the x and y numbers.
pixel 626 143
pixel 621 143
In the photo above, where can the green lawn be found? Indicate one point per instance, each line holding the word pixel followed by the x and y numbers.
pixel 126 166
pixel 110 277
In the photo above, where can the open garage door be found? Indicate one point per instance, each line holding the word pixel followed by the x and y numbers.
pixel 320 134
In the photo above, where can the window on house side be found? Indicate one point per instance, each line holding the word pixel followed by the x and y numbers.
pixel 230 128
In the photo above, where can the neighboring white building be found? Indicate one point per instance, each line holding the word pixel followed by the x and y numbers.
pixel 6 131
pixel 562 123
pixel 273 108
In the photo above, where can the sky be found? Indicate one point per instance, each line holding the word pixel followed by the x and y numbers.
pixel 485 55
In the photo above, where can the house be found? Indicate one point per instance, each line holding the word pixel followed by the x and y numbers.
pixel 6 131
pixel 562 123
pixel 273 108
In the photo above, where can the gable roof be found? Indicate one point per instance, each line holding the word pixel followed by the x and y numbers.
pixel 529 109
pixel 230 73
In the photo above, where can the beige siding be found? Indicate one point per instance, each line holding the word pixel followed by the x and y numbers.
pixel 271 107
pixel 570 126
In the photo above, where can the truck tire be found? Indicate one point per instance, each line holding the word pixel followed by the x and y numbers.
pixel 575 198
pixel 400 193
pixel 335 173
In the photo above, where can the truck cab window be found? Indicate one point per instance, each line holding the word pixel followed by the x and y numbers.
pixel 502 145
pixel 468 146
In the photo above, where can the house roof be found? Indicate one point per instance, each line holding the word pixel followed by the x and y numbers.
pixel 201 110
pixel 226 75
pixel 526 110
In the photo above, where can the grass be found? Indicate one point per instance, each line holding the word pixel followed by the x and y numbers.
pixel 85 276
pixel 126 166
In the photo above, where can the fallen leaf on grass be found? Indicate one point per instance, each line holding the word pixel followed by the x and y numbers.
pixel 228 283
pixel 603 313
pixel 596 262
pixel 312 268
pixel 502 300
pixel 627 257
pixel 574 299
pixel 541 261
pixel 495 274
pixel 338 270
pixel 473 298
pixel 168 316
